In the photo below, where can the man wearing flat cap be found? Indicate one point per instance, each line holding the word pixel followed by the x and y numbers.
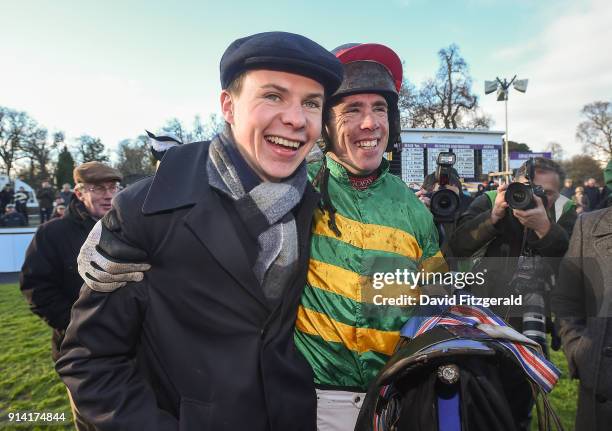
pixel 49 278
pixel 205 340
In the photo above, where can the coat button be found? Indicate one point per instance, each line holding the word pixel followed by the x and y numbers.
pixel 607 351
pixel 357 398
pixel 600 398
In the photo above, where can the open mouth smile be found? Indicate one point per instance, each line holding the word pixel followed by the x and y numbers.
pixel 367 144
pixel 283 142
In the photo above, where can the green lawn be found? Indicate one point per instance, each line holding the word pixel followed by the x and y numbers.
pixel 29 382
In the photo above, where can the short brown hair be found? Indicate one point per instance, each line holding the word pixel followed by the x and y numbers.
pixel 235 86
pixel 545 165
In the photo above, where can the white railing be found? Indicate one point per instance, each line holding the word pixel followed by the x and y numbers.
pixel 13 244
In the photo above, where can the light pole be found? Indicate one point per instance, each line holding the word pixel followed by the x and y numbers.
pixel 503 89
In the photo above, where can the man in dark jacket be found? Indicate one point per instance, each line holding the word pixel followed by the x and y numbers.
pixel 21 203
pixel 6 197
pixel 49 278
pixel 66 194
pixel 491 229
pixel 45 197
pixel 205 341
pixel 12 218
pixel 582 303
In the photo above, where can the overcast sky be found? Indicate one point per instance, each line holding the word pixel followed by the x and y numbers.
pixel 112 69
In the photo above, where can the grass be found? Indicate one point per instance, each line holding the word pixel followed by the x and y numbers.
pixel 564 397
pixel 29 382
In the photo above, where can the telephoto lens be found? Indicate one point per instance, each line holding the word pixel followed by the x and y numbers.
pixel 534 317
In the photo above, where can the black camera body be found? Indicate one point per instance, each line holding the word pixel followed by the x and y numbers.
pixel 444 202
pixel 520 196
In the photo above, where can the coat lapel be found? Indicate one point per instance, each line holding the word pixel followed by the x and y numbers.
pixel 602 243
pixel 211 224
pixel 181 181
pixel 602 232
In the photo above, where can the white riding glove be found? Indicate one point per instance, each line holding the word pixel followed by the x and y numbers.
pixel 101 272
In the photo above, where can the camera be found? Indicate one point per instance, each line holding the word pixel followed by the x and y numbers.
pixel 444 202
pixel 520 196
pixel 529 280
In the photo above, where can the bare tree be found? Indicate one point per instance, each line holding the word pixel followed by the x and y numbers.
pixel 453 87
pixel 447 100
pixel 135 160
pixel 213 126
pixel 202 131
pixel 38 148
pixel 596 131
pixel 582 167
pixel 556 150
pixel 175 128
pixel 14 127
pixel 91 149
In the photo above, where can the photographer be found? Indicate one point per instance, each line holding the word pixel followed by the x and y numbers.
pixel 490 228
pixel 446 209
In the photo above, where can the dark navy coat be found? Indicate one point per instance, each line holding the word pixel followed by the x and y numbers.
pixel 195 345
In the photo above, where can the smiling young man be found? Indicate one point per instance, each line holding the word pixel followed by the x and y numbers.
pixel 205 340
pixel 370 222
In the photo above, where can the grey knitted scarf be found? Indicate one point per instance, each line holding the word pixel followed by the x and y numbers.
pixel 266 212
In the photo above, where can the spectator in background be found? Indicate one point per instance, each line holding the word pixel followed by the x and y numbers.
pixel 568 189
pixel 49 278
pixel 66 194
pixel 58 211
pixel 6 197
pixel 591 190
pixel 445 228
pixel 481 189
pixel 21 203
pixel 581 200
pixel 45 196
pixel 12 218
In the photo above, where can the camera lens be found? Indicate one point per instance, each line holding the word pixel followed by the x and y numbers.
pixel 444 203
pixel 519 196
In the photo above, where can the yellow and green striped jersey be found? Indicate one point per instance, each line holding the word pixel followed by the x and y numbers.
pixel 345 337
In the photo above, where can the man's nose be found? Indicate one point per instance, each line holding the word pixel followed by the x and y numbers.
pixel 294 116
pixel 370 121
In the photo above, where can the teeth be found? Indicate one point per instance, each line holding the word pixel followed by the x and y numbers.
pixel 284 142
pixel 367 144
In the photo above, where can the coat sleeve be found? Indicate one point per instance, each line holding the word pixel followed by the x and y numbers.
pixel 474 229
pixel 556 241
pixel 41 281
pixel 568 298
pixel 98 358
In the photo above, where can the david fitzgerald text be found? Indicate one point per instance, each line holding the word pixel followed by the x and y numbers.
pixel 448 300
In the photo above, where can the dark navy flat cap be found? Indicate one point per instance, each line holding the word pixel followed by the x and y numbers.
pixel 285 52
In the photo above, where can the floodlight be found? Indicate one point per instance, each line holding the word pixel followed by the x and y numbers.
pixel 490 86
pixel 520 85
pixel 503 90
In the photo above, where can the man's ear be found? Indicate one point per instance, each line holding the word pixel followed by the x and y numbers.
pixel 227 106
pixel 78 193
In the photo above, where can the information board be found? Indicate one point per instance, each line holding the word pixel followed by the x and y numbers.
pixel 490 160
pixel 413 165
pixel 465 163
